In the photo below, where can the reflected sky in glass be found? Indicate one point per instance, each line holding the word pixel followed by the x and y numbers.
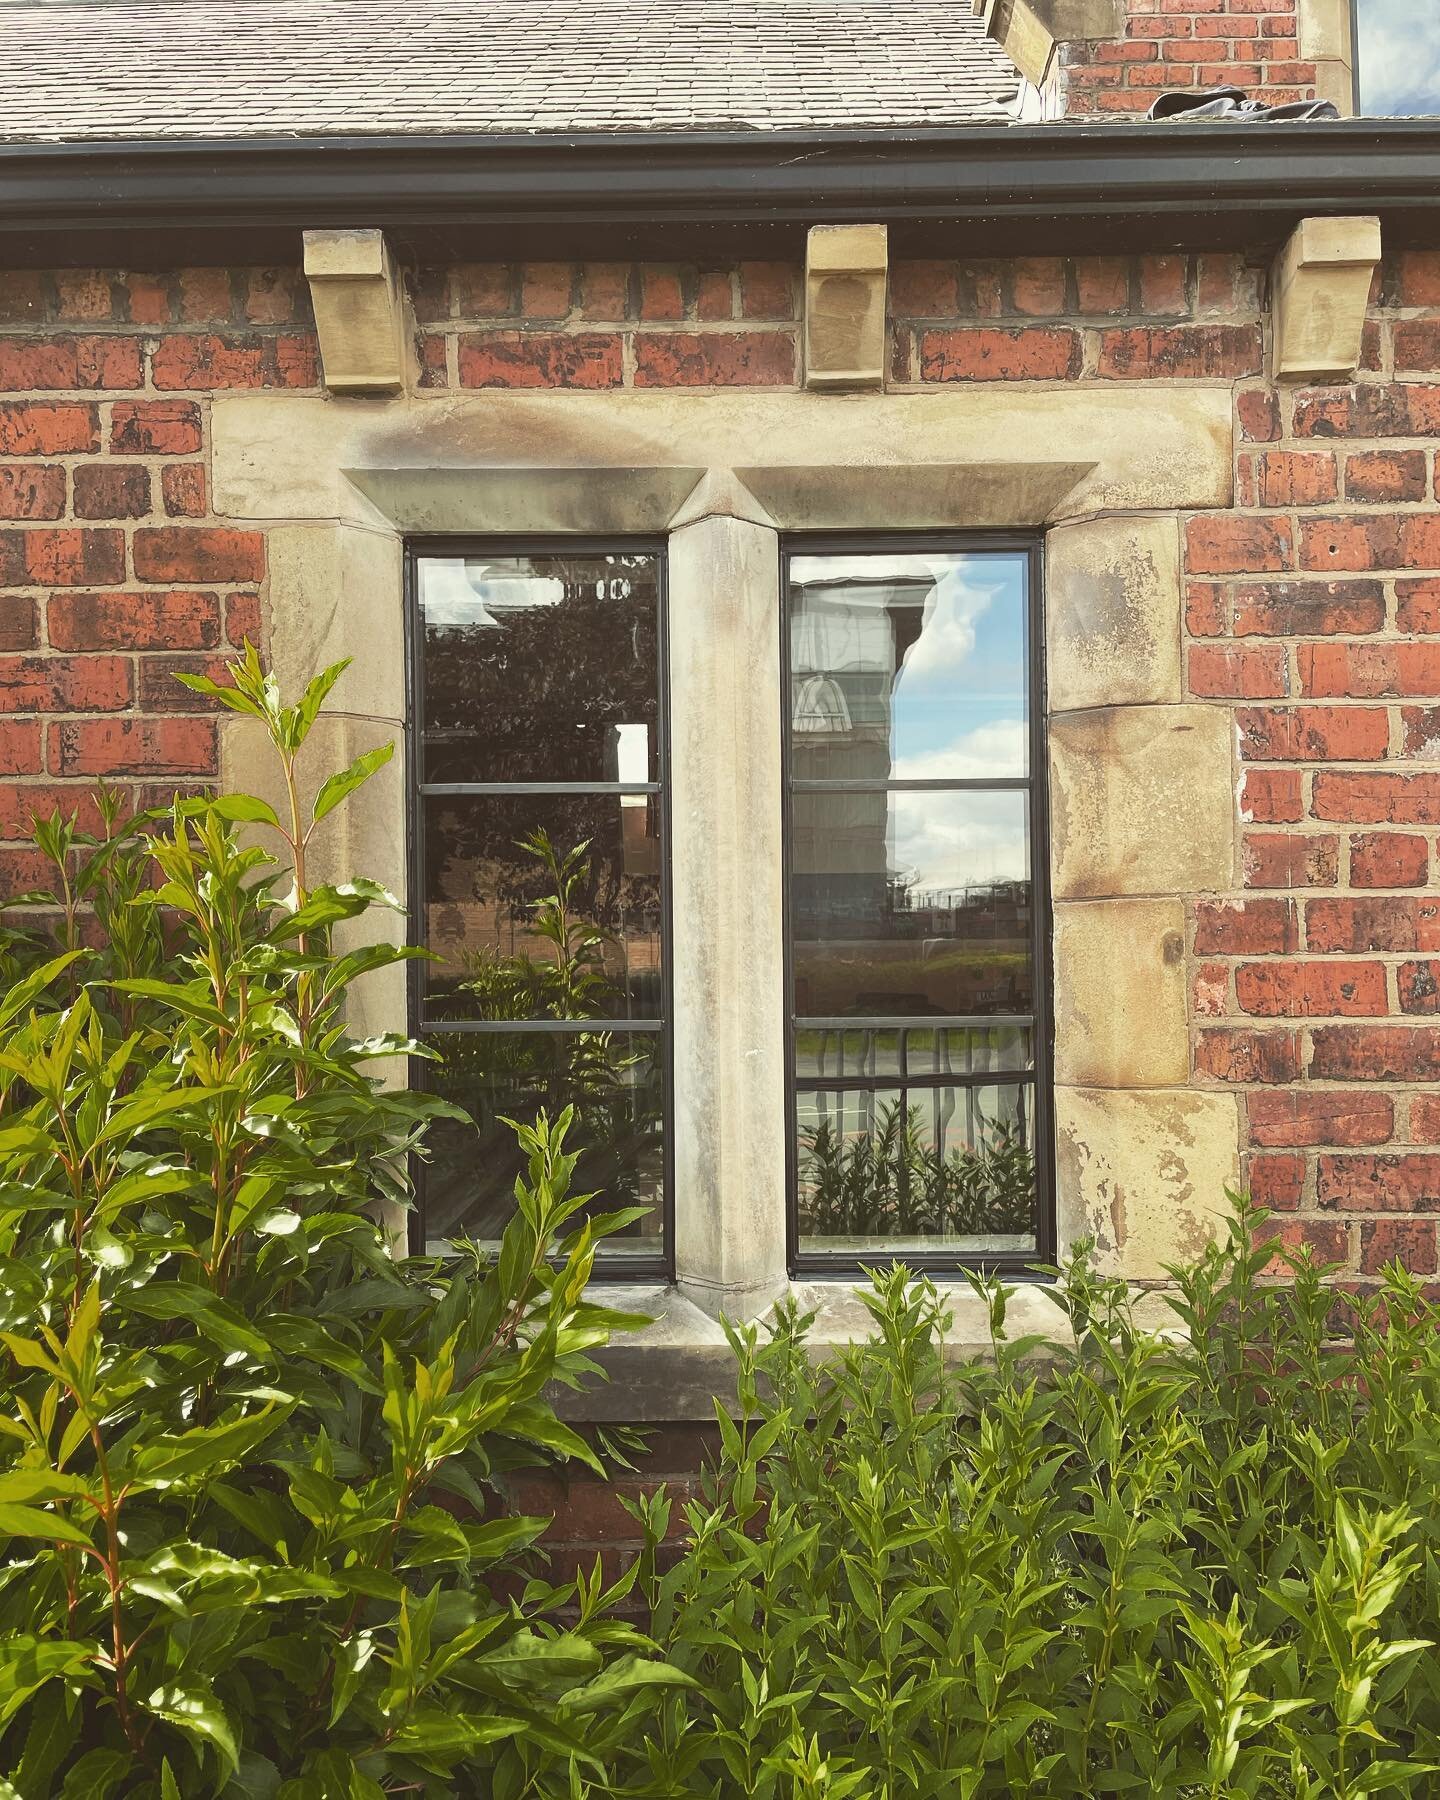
pixel 1398 52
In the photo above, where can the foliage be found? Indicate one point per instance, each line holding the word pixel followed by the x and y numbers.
pixel 248 1537
pixel 890 1182
pixel 1202 1562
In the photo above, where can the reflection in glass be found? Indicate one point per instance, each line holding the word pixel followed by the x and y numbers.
pixel 615 1082
pixel 910 903
pixel 540 668
pixel 542 906
pixel 891 1168
pixel 916 1053
pixel 908 667
pixel 1398 56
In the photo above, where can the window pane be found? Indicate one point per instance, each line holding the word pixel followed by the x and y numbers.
pixel 540 668
pixel 615 1082
pixel 542 906
pixel 917 1053
pixel 1398 55
pixel 908 1169
pixel 910 903
pixel 908 667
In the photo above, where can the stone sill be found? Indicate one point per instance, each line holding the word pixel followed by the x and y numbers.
pixel 674 1369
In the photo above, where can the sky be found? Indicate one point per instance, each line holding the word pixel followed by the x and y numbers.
pixel 1399 56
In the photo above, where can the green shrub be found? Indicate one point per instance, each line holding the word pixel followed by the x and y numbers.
pixel 248 1538
pixel 1202 1562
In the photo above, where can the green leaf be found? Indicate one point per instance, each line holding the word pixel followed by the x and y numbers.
pixel 27 1662
pixel 193 1709
pixel 35 1522
pixel 339 786
pixel 26 1141
pixel 96 1775
pixel 244 809
pixel 173 1458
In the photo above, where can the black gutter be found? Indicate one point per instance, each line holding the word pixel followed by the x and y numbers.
pixel 1069 185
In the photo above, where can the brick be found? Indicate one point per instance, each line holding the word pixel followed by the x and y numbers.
pixel 269 297
pixel 605 290
pixel 1382 1182
pixel 1276 1182
pixel 20 749
pixel 1308 609
pixel 148 299
pixel 1311 990
pixel 1210 991
pixel 1205 613
pixel 47 428
pixel 1325 412
pixel 142 747
pixel 1274 859
pixel 1424 1125
pixel 1326 1242
pixel 547 290
pixel 1419 606
pixel 1179 352
pixel 433 356
pixel 32 491
pixel 1313 733
pixel 1038 286
pixel 182 620
pixel 1417 345
pixel 541 359
pixel 1383 859
pixel 23 801
pixel 161 692
pixel 1376 1053
pixel 25 872
pixel 1300 1117
pixel 1245 927
pixel 1223 544
pixel 1258 410
pixel 22 297
pixel 1102 284
pixel 1385 475
pixel 211 361
pixel 1269 1057
pixel 661 295
pixel 155 428
pixel 61 558
pixel 184 489
pixel 978 353
pixel 1295 478
pixel 243 621
pixel 925 290
pixel 84 295
pixel 486 290
pixel 69 362
pixel 1224 284
pixel 1371 541
pixel 1410 1242
pixel 1373 798
pixel 205 296
pixel 1225 671
pixel 186 553
pixel 715 359
pixel 112 491
pixel 1271 796
pixel 1370 671
pixel 50 684
pixel 19 623
pixel 1418 984
pixel 1162 283
pixel 1419 278
pixel 768 290
pixel 982 293
pixel 1349 925
pixel 1420 732
pixel 714 295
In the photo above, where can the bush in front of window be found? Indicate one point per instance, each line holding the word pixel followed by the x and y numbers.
pixel 1194 1562
pixel 249 1538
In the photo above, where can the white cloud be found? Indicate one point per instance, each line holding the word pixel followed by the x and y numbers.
pixel 1399 57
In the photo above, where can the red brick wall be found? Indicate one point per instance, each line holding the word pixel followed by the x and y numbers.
pixel 1253 44
pixel 1313 605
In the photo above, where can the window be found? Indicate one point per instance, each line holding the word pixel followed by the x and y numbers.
pixel 1397 58
pixel 916 934
pixel 539 873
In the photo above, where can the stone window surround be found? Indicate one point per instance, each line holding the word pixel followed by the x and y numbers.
pixel 1142 782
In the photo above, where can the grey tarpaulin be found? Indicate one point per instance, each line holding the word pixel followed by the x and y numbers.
pixel 1230 104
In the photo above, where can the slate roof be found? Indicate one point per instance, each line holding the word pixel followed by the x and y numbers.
pixel 96 69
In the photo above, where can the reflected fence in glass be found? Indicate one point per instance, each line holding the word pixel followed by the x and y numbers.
pixel 539 872
pixel 915 930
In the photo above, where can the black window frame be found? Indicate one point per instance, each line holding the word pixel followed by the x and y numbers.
pixel 933 1262
pixel 615 1265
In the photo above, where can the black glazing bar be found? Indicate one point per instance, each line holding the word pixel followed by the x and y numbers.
pixel 518 789
pixel 880 1084
pixel 1000 784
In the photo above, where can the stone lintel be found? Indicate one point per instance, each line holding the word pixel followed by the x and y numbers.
pixel 359 311
pixel 846 270
pixel 1321 288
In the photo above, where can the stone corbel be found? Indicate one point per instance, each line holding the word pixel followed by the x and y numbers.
pixel 1028 30
pixel 359 312
pixel 846 269
pixel 1321 287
